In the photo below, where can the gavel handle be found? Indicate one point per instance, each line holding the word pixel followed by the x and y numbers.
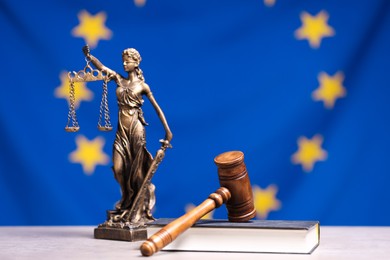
pixel 171 231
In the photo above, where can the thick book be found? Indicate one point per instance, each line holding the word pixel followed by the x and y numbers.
pixel 256 236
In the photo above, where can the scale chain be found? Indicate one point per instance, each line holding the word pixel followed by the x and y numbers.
pixel 104 110
pixel 72 118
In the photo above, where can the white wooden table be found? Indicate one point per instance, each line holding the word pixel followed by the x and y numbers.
pixel 77 242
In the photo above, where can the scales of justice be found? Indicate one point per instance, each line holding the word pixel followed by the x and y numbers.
pixel 133 165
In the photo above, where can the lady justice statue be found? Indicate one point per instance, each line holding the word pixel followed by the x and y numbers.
pixel 133 165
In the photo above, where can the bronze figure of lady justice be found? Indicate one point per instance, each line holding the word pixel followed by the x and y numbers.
pixel 133 165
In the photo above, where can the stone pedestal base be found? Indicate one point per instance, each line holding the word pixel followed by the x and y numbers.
pixel 123 234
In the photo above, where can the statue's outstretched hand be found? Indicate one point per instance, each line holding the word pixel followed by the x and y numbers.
pixel 86 50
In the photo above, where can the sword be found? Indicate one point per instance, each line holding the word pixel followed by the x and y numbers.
pixel 152 169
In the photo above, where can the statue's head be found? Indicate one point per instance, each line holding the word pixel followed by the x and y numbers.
pixel 133 54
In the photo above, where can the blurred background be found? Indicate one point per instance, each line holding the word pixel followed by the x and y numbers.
pixel 301 87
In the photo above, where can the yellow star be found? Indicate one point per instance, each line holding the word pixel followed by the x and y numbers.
pixel 314 28
pixel 309 152
pixel 330 89
pixel 265 200
pixel 89 153
pixel 80 89
pixel 191 206
pixel 92 28
pixel 139 3
pixel 269 3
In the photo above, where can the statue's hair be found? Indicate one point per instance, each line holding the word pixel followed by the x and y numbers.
pixel 134 54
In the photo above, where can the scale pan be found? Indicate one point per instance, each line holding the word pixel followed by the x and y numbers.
pixel 105 128
pixel 72 128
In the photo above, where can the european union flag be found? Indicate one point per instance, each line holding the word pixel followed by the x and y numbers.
pixel 301 87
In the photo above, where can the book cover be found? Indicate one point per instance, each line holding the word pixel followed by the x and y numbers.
pixel 259 236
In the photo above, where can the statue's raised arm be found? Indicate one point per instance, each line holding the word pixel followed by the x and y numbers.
pixel 96 62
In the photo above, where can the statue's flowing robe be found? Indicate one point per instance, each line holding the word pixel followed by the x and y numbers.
pixel 130 144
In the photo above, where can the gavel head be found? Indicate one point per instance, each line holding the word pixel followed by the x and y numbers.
pixel 233 176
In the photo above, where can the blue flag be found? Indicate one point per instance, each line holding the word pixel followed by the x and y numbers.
pixel 300 87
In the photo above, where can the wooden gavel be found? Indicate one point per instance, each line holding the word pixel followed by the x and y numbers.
pixel 235 191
